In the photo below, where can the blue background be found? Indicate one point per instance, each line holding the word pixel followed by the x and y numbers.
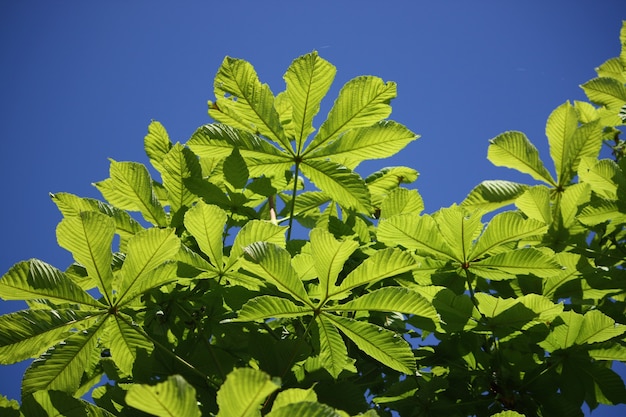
pixel 80 82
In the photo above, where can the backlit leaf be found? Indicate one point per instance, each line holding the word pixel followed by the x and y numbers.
pixel 244 392
pixel 172 398
pixel 333 352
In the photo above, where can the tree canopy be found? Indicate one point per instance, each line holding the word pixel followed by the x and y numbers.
pixel 256 272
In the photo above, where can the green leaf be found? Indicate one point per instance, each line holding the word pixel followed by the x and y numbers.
pixel 380 183
pixel 385 346
pixel 157 144
pixel 243 393
pixel 560 128
pixel 575 329
pixel 362 102
pixel 57 403
pixel 508 265
pixel 273 264
pixel 294 396
pixel 535 203
pixel 130 188
pixel 344 186
pixel 381 140
pixel 382 264
pixel 308 79
pixel 148 251
pixel 71 205
pixel 333 351
pixel 514 150
pixel 256 231
pixel 236 170
pixel 459 228
pixel 35 279
pixel 492 194
pixel 28 333
pixel 603 176
pixel 503 229
pixel 245 103
pixel 401 201
pixel 391 299
pixel 89 237
pixel 415 233
pixel 125 341
pixel 218 141
pixel 606 91
pixel 62 366
pixel 305 409
pixel 149 279
pixel 330 256
pixel 172 398
pixel 267 306
pixel 206 224
pixel 179 165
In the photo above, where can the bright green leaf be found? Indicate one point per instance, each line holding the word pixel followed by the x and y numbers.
pixel 172 398
pixel 267 306
pixel 330 256
pixel 206 224
pixel 157 144
pixel 244 392
pixel 333 351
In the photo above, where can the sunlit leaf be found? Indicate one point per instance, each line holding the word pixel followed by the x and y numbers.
pixel 172 398
pixel 385 346
pixel 206 224
pixel 246 103
pixel 606 91
pixel 130 188
pixel 179 165
pixel 308 79
pixel 492 194
pixel 333 352
pixel 330 256
pixel 507 265
pixel 125 342
pixel 514 150
pixel 28 333
pixel 342 185
pixel 535 203
pixel 267 306
pixel 89 237
pixel 157 144
pixel 401 201
pixel 362 102
pixel 244 392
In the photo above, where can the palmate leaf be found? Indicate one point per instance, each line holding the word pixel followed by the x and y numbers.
pixel 503 229
pixel 36 279
pixel 308 79
pixel 172 398
pixel 330 256
pixel 245 102
pixel 293 396
pixel 459 228
pixel 206 224
pixel 62 366
pixel 273 264
pixel 391 299
pixel 572 199
pixel 157 144
pixel 380 140
pixel 267 306
pixel 560 128
pixel 243 393
pixel 514 150
pixel 381 344
pixel 218 141
pixel 149 279
pixel 305 409
pixel 130 188
pixel 178 166
pixel 88 237
pixel 235 170
pixel 148 251
pixel 508 265
pixel 492 194
pixel 28 333
pixel 344 186
pixel 382 264
pixel 415 233
pixel 604 176
pixel 333 351
pixel 362 102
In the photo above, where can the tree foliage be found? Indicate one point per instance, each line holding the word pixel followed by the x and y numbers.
pixel 260 274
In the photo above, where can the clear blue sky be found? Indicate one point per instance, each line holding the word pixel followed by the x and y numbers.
pixel 80 82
